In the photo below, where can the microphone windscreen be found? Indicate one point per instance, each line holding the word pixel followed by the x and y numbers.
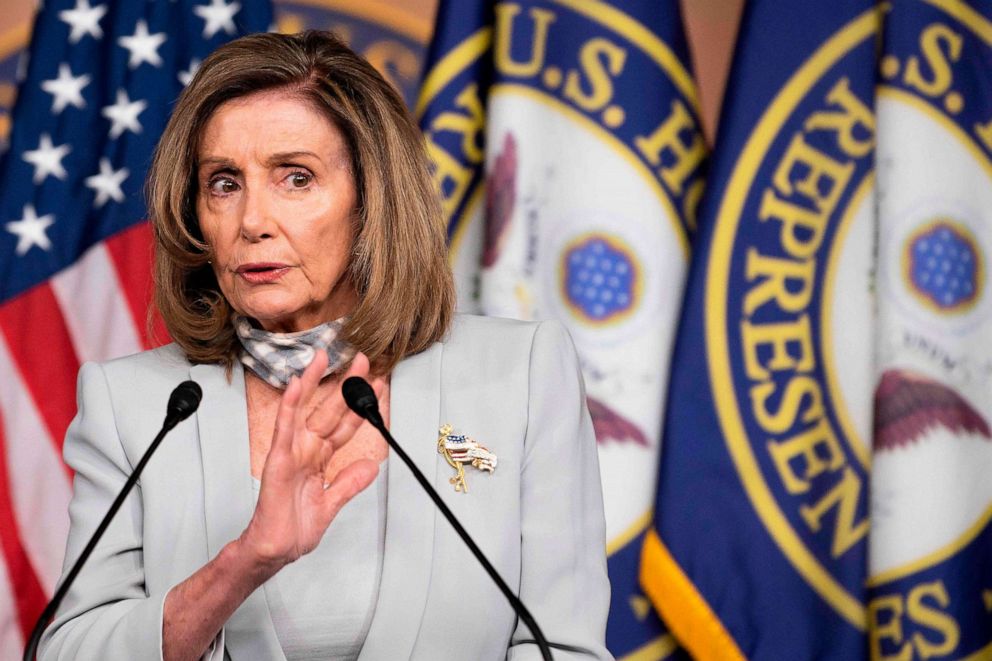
pixel 359 396
pixel 184 400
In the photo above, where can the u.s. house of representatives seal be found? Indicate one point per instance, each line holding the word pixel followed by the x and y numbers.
pixel 788 310
pixel 847 322
pixel 930 588
pixel 593 160
pixel 587 193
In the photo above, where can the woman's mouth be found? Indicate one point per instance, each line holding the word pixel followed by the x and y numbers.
pixel 262 272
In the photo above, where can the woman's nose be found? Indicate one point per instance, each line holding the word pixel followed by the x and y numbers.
pixel 257 221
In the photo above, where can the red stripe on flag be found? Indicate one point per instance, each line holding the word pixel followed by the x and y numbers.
pixel 29 597
pixel 44 356
pixel 131 252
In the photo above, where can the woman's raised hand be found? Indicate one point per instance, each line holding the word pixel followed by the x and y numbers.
pixel 296 503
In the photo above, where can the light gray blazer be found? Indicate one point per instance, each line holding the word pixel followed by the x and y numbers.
pixel 514 387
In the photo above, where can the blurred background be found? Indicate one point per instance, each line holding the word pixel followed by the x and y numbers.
pixel 769 318
pixel 394 34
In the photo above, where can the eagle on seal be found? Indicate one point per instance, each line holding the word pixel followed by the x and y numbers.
pixel 907 405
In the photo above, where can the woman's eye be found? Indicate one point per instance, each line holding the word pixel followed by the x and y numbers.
pixel 222 186
pixel 300 179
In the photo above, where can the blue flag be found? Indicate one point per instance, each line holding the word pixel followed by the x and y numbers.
pixel 759 547
pixel 567 148
pixel 930 560
pixel 841 307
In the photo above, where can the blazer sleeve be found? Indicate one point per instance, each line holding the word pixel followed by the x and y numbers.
pixel 108 613
pixel 563 579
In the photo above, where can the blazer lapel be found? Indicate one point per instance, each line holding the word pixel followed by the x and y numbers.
pixel 229 502
pixel 414 411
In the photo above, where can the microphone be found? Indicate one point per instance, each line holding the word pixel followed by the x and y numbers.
pixel 183 402
pixel 361 399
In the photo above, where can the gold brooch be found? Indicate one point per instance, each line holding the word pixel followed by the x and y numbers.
pixel 459 449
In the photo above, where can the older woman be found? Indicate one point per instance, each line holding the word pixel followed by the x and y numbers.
pixel 299 242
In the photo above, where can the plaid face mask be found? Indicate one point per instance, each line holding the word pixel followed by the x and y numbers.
pixel 275 357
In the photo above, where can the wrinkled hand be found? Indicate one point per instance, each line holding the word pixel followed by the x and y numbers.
pixel 295 504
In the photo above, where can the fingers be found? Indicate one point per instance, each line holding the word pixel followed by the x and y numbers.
pixel 326 452
pixel 282 437
pixel 352 479
pixel 331 419
pixel 311 377
pixel 328 425
pixel 290 418
pixel 359 366
pixel 379 386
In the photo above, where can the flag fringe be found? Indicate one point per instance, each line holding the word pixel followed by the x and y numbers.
pixel 680 605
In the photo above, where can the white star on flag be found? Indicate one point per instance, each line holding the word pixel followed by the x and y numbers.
pixel 186 76
pixel 124 114
pixel 107 184
pixel 142 46
pixel 84 20
pixel 217 16
pixel 47 159
pixel 66 90
pixel 30 230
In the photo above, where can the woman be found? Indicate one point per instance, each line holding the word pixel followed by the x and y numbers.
pixel 296 227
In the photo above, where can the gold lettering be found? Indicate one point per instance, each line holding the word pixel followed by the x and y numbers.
pixel 844 496
pixel 470 125
pixel 687 156
pixel 599 77
pixel 448 173
pixel 932 42
pixel 890 629
pixel 803 446
pixel 388 56
pixel 505 63
pixel 824 180
pixel 777 336
pixel 853 113
pixel 796 390
pixel 932 618
pixel 802 229
pixel 777 274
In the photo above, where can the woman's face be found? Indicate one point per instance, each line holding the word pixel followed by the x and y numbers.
pixel 275 202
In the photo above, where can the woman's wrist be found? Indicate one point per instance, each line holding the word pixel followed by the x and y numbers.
pixel 255 559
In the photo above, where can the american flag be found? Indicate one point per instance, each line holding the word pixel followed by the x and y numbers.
pixel 75 252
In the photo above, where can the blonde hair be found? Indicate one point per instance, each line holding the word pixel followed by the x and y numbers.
pixel 398 261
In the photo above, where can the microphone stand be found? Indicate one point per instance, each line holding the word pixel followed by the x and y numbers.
pixel 373 417
pixel 178 411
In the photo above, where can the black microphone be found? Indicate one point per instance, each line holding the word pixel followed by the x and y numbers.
pixel 361 399
pixel 183 402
